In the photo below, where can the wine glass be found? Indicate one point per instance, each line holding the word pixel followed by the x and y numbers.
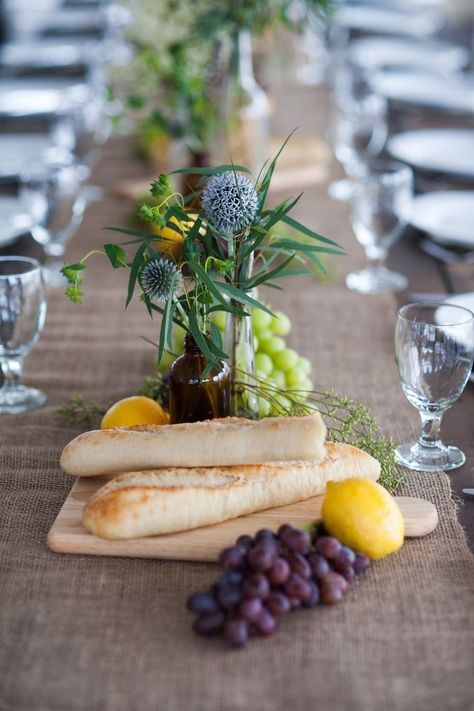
pixel 50 192
pixel 434 349
pixel 359 134
pixel 22 315
pixel 380 212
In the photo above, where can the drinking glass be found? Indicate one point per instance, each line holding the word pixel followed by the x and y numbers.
pixel 380 212
pixel 434 349
pixel 22 314
pixel 359 135
pixel 50 192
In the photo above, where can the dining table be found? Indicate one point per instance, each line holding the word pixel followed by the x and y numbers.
pixel 100 633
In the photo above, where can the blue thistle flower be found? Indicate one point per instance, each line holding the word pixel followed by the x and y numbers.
pixel 230 202
pixel 159 278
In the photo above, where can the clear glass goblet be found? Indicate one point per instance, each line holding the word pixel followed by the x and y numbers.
pixel 434 349
pixel 359 135
pixel 380 212
pixel 50 193
pixel 22 315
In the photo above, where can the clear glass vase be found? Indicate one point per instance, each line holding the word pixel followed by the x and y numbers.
pixel 247 110
pixel 240 347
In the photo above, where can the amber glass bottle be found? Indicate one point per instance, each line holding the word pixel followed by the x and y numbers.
pixel 191 399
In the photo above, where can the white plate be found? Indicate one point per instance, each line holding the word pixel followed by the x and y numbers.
pixel 454 94
pixel 378 52
pixel 391 21
pixel 17 149
pixel 438 150
pixel 447 216
pixel 466 300
pixel 44 53
pixel 33 97
pixel 13 222
pixel 68 19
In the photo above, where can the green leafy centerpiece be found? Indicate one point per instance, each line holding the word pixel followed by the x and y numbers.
pixel 232 245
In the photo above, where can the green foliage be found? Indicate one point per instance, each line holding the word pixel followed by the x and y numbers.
pixel 72 272
pixel 77 412
pixel 227 16
pixel 156 388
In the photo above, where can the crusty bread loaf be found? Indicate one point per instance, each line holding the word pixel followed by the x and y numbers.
pixel 220 442
pixel 137 504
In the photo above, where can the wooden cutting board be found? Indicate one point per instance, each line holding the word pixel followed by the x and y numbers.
pixel 68 535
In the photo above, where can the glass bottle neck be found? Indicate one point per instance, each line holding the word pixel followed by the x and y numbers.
pixel 244 62
pixel 190 345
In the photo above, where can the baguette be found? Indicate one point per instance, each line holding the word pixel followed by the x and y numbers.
pixel 137 504
pixel 220 442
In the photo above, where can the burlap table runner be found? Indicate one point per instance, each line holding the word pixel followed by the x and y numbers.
pixel 95 634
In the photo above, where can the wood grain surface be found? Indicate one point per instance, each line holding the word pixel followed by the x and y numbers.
pixel 68 535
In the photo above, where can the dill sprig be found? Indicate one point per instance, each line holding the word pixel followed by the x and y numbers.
pixel 347 421
pixel 156 387
pixel 77 412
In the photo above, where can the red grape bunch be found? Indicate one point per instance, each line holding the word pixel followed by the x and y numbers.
pixel 270 575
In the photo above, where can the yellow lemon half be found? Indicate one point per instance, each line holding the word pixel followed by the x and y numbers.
pixel 135 410
pixel 364 516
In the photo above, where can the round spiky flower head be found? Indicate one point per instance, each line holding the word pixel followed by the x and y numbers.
pixel 159 278
pixel 230 202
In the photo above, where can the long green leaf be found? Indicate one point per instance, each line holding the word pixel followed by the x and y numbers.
pixel 133 233
pixel 212 171
pixel 134 271
pixel 264 276
pixel 243 297
pixel 204 277
pixel 265 184
pixel 295 272
pixel 216 335
pixel 309 233
pixel 308 255
pixel 165 329
pixel 199 337
pixel 178 321
pixel 286 243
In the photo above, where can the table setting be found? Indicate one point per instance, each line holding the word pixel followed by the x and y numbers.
pixel 236 398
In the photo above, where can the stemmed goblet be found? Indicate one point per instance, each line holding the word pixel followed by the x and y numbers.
pixel 50 192
pixel 22 315
pixel 359 135
pixel 434 349
pixel 380 212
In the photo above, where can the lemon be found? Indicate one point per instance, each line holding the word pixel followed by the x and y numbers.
pixel 135 410
pixel 171 241
pixel 363 516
